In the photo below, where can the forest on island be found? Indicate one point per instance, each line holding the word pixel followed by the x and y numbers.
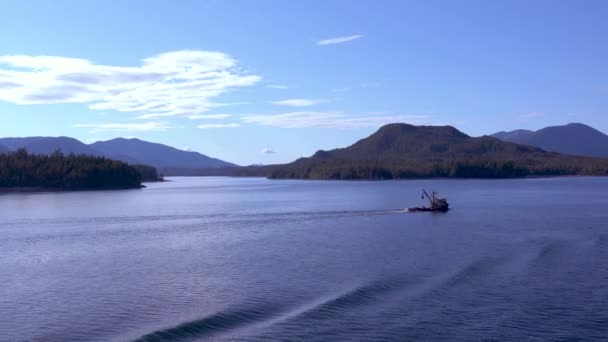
pixel 464 168
pixel 20 169
pixel 401 151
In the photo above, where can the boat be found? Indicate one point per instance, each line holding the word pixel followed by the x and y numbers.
pixel 436 203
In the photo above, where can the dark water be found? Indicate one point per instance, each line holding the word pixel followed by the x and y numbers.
pixel 258 260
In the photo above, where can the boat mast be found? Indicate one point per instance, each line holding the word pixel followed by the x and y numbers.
pixel 424 193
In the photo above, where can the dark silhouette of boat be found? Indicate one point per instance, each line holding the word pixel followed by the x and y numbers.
pixel 436 203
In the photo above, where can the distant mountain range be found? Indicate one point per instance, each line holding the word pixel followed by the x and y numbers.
pixel 158 155
pixel 133 151
pixel 394 151
pixel 48 145
pixel 406 151
pixel 573 139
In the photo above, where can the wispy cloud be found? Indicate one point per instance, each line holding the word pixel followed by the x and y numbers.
pixel 222 125
pixel 268 151
pixel 331 119
pixel 339 40
pixel 208 116
pixel 364 85
pixel 278 86
pixel 341 89
pixel 127 127
pixel 299 102
pixel 370 85
pixel 532 115
pixel 169 84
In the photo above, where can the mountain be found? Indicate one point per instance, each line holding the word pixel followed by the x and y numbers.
pixel 406 151
pixel 574 139
pixel 166 159
pixel 3 149
pixel 48 145
pixel 513 136
pixel 160 156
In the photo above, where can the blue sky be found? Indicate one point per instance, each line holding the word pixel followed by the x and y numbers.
pixel 271 81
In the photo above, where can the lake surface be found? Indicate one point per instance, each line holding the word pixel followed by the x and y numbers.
pixel 261 260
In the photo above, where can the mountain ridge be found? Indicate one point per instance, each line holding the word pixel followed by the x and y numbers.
pixel 396 150
pixel 573 139
pixel 156 154
pixel 405 151
pixel 48 145
pixel 133 151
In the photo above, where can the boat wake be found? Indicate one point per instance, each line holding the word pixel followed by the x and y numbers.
pixel 222 216
pixel 262 313
pixel 222 321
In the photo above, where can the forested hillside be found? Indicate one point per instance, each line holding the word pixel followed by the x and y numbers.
pixel 405 151
pixel 57 171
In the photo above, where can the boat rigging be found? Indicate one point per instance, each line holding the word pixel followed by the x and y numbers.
pixel 436 203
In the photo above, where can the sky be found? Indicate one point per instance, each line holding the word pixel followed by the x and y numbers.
pixel 261 81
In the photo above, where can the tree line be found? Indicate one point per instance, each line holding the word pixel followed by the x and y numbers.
pixel 20 169
pixel 463 168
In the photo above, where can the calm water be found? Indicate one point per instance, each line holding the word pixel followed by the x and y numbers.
pixel 259 260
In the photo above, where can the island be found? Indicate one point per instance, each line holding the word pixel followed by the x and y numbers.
pixel 22 171
pixel 403 151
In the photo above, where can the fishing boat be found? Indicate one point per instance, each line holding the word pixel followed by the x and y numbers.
pixel 436 203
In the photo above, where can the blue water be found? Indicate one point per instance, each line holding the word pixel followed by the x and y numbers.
pixel 260 260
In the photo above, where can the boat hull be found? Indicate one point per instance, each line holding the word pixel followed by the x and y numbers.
pixel 419 209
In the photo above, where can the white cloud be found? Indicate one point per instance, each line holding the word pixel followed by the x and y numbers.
pixel 329 120
pixel 224 125
pixel 169 84
pixel 341 89
pixel 532 115
pixel 299 102
pixel 370 85
pixel 339 40
pixel 268 151
pixel 208 116
pixel 277 86
pixel 126 127
pixel 364 85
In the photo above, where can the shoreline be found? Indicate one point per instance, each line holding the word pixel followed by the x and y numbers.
pixel 400 179
pixel 35 190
